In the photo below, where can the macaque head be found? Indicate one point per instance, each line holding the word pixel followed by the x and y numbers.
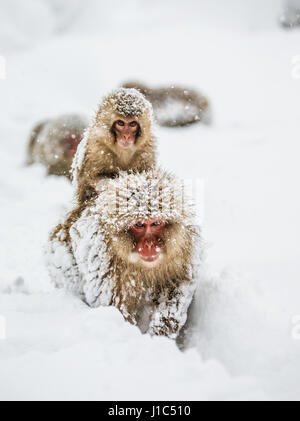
pixel 158 248
pixel 147 240
pixel 122 126
pixel 148 224
pixel 71 142
pixel 126 132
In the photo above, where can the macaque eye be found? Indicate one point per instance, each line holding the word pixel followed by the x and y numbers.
pixel 120 123
pixel 133 124
pixel 156 224
pixel 139 225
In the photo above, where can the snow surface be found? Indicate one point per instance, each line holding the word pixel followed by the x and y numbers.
pixel 241 343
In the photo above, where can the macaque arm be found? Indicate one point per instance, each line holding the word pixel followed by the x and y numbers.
pixel 90 253
pixel 171 313
pixel 61 264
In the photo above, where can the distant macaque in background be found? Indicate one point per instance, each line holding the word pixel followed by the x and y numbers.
pixel 175 106
pixel 290 15
pixel 132 248
pixel 119 138
pixel 54 143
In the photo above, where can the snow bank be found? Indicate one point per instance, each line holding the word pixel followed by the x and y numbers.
pixel 100 356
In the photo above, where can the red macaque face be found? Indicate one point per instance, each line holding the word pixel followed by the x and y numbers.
pixel 72 143
pixel 147 235
pixel 126 130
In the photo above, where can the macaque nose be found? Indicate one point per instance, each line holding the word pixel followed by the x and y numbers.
pixel 148 245
pixel 126 136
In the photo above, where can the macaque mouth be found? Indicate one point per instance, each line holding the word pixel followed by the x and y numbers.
pixel 72 141
pixel 149 250
pixel 125 143
pixel 148 241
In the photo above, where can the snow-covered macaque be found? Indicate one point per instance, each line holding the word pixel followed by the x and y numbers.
pixel 134 248
pixel 54 143
pixel 119 138
pixel 290 15
pixel 174 105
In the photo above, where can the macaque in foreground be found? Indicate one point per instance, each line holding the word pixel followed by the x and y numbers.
pixel 132 248
pixel 119 138
pixel 54 143
pixel 175 106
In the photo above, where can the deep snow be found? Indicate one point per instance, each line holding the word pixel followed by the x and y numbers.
pixel 241 344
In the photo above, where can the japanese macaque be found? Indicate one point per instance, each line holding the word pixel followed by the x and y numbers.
pixel 119 138
pixel 175 106
pixel 290 15
pixel 132 248
pixel 54 143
